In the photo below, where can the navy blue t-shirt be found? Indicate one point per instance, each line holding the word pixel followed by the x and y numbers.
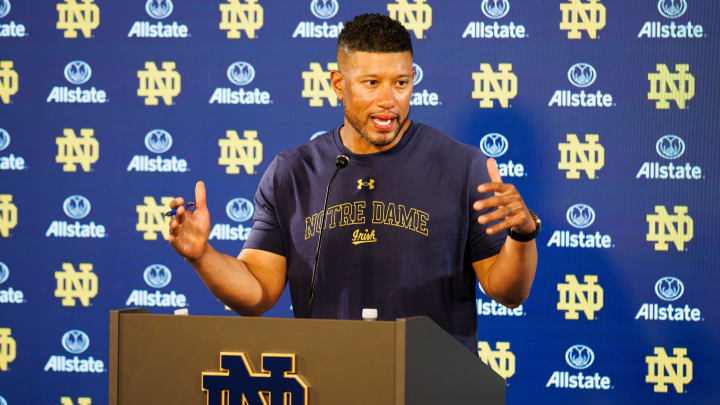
pixel 400 233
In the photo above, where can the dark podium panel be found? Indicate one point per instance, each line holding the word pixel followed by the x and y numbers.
pixel 159 359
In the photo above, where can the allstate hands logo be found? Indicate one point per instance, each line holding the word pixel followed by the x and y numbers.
pixel 672 8
pixel 581 75
pixel 495 9
pixel 669 288
pixel 240 73
pixel 76 206
pixel 670 146
pixel 77 72
pixel 239 209
pixel 493 145
pixel 157 275
pixel 4 272
pixel 159 9
pixel 579 357
pixel 324 9
pixel 580 215
pixel 4 139
pixel 75 341
pixel 158 140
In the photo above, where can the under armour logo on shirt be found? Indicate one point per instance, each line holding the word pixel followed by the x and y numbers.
pixel 369 184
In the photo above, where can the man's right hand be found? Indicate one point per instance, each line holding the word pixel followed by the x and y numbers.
pixel 189 231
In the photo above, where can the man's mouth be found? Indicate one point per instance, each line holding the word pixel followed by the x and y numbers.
pixel 383 121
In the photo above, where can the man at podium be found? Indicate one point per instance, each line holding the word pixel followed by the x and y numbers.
pixel 412 221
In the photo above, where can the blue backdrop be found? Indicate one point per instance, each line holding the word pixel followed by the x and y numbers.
pixel 602 113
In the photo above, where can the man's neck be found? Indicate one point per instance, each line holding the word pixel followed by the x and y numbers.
pixel 360 146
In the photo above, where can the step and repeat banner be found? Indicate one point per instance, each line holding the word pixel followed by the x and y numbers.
pixel 604 113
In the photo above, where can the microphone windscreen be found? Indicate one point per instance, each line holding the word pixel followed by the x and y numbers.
pixel 342 161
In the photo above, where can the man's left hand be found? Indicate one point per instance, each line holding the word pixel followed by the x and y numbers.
pixel 510 205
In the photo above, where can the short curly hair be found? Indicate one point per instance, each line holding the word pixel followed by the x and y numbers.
pixel 374 33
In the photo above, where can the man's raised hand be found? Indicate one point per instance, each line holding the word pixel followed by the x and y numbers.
pixel 510 205
pixel 189 231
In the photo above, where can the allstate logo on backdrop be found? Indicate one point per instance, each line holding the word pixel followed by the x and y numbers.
pixel 10 29
pixel 75 342
pixel 579 357
pixel 9 295
pixel 156 276
pixel 580 216
pixel 490 307
pixel 495 145
pixel 77 72
pixel 323 10
pixel 2 400
pixel 581 75
pixel 424 97
pixel 76 207
pixel 669 289
pixel 158 10
pixel 670 147
pixel 494 10
pixel 240 73
pixel 671 9
pixel 10 162
pixel 239 210
pixel 316 134
pixel 158 141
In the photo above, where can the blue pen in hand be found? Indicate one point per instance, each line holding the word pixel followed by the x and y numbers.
pixel 190 206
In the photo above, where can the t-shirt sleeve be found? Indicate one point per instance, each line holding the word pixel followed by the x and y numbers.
pixel 481 244
pixel 266 233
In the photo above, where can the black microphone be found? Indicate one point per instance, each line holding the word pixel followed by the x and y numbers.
pixel 340 162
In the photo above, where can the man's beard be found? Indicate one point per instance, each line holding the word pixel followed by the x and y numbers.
pixel 358 125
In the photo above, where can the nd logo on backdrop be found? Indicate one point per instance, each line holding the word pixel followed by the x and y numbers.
pixel 317 85
pixel 501 360
pixel 578 16
pixel 156 83
pixel 75 285
pixel 236 152
pixel 490 85
pixel 152 219
pixel 236 16
pixel 663 369
pixel 576 156
pixel 8 215
pixel 74 16
pixel 415 16
pixel 74 150
pixel 585 297
pixel 8 81
pixel 664 228
pixel 665 86
pixel 8 348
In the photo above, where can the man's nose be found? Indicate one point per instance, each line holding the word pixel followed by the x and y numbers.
pixel 385 97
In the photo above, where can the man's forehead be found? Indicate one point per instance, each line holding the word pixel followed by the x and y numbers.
pixel 374 61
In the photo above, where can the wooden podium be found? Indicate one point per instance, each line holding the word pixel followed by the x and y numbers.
pixel 160 359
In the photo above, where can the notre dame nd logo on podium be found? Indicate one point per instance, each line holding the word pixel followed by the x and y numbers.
pixel 663 369
pixel 490 85
pixel 574 297
pixel 501 360
pixel 664 228
pixel 277 382
pixel 236 152
pixel 666 86
pixel 8 348
pixel 76 285
pixel 415 16
pixel 317 85
pixel 8 81
pixel 73 151
pixel 8 215
pixel 73 16
pixel 152 219
pixel 236 16
pixel 576 156
pixel 579 15
pixel 156 83
pixel 80 401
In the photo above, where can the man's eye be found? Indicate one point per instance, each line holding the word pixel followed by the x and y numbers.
pixel 372 82
pixel 402 83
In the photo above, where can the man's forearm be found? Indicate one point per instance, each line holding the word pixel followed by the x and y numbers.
pixel 512 273
pixel 230 280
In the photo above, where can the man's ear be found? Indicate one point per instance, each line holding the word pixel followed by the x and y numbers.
pixel 337 82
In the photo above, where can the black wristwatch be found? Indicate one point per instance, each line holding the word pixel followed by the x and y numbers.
pixel 526 237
